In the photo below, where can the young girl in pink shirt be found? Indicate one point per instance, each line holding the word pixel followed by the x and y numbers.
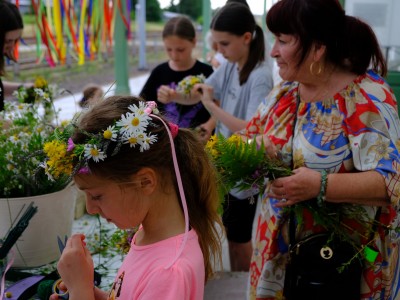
pixel 136 168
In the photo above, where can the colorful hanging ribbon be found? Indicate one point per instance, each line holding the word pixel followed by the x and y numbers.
pixel 81 28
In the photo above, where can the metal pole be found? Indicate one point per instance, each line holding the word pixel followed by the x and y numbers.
pixel 141 32
pixel 206 25
pixel 263 23
pixel 121 54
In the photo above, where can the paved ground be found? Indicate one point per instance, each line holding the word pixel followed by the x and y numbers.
pixel 226 284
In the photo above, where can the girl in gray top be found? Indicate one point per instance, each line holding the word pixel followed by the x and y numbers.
pixel 231 95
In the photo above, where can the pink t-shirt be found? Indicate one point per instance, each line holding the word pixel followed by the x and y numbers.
pixel 143 274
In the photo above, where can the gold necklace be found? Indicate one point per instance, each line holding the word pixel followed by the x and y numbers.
pixel 317 95
pixel 321 93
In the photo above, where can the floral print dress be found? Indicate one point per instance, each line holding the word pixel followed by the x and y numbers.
pixel 358 129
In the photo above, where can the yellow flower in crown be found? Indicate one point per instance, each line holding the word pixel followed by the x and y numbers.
pixel 59 161
pixel 110 133
pixel 64 157
pixel 55 150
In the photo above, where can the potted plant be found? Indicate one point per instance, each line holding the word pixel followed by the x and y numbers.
pixel 24 128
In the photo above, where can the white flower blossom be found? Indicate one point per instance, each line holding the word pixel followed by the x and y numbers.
pixel 133 123
pixel 147 141
pixel 110 133
pixel 91 151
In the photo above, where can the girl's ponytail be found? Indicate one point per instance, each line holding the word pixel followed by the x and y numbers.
pixel 256 54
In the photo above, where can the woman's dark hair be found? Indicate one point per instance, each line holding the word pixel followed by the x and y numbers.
pixel 10 19
pixel 236 18
pixel 197 172
pixel 181 27
pixel 350 43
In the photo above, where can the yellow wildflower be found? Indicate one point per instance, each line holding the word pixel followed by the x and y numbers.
pixel 40 83
pixel 235 139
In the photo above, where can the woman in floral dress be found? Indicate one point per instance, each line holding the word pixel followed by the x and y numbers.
pixel 335 122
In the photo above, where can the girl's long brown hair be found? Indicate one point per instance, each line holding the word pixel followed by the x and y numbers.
pixel 198 174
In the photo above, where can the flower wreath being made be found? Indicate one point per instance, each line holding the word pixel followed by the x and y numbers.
pixel 64 158
pixel 186 84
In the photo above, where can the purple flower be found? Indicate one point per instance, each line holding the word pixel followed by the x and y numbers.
pixel 256 174
pixel 172 85
pixel 84 170
pixel 71 145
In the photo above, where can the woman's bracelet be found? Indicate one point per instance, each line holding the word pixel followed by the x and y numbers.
pixel 324 186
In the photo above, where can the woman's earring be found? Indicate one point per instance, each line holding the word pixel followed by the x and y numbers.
pixel 312 68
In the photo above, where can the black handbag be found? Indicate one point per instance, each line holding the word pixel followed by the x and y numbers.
pixel 313 270
pixel 322 267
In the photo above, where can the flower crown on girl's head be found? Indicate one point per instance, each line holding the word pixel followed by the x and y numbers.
pixel 131 129
pixel 65 158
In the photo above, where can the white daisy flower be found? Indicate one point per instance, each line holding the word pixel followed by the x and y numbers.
pixel 91 151
pixel 39 92
pixel 110 133
pixel 9 156
pixel 131 139
pixel 34 161
pixel 138 109
pixel 15 139
pixel 147 141
pixel 46 97
pixel 133 123
pixel 41 130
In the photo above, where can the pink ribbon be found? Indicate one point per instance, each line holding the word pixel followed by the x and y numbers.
pixel 3 277
pixel 174 129
pixel 180 186
pixel 150 106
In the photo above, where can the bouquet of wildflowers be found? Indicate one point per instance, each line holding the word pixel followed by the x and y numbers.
pixel 187 83
pixel 24 129
pixel 40 90
pixel 242 164
pixel 40 93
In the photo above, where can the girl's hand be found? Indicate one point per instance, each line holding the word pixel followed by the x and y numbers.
pixel 270 147
pixel 76 266
pixel 206 93
pixel 165 94
pixel 303 185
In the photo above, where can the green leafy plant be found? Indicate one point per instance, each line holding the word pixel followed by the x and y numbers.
pixel 242 164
